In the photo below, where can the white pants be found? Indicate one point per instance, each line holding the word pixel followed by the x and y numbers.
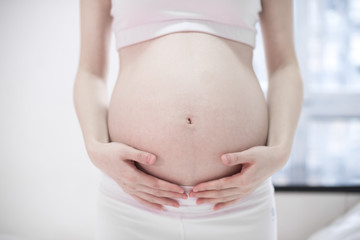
pixel 120 217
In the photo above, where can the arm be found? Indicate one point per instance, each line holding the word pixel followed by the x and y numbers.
pixel 285 95
pixel 91 104
pixel 90 93
pixel 285 91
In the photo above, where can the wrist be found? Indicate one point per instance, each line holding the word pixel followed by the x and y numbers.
pixel 95 151
pixel 91 143
pixel 92 146
pixel 282 154
pixel 283 146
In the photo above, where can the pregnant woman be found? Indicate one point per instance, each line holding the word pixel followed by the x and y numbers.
pixel 187 143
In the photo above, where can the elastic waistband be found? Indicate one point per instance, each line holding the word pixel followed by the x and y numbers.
pixel 188 207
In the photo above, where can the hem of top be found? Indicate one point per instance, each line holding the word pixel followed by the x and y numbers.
pixel 141 33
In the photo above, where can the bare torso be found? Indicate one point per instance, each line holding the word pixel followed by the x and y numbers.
pixel 188 98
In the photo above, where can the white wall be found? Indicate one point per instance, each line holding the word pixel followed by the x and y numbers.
pixel 47 183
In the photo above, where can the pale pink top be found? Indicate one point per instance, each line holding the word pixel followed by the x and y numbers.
pixel 135 21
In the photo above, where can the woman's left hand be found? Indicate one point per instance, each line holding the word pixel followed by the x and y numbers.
pixel 258 164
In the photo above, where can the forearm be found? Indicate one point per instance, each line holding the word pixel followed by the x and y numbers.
pixel 285 97
pixel 91 104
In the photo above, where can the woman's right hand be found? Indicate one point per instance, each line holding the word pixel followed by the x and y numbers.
pixel 118 161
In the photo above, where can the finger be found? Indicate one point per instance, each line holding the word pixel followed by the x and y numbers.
pixel 160 193
pixel 147 203
pixel 246 156
pixel 158 200
pixel 214 193
pixel 137 155
pixel 219 200
pixel 222 183
pixel 224 204
pixel 136 177
pixel 156 183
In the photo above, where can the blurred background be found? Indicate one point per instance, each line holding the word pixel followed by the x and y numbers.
pixel 327 148
pixel 48 184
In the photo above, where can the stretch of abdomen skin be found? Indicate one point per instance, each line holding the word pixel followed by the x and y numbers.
pixel 188 99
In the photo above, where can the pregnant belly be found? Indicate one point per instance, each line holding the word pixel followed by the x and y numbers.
pixel 188 113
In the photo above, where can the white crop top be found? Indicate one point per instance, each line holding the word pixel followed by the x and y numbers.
pixel 135 21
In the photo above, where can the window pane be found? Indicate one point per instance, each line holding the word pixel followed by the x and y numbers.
pixel 333 45
pixel 326 149
pixel 333 156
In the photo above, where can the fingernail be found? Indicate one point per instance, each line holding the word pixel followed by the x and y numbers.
pixel 228 159
pixel 184 197
pixel 224 159
pixel 149 160
pixel 191 194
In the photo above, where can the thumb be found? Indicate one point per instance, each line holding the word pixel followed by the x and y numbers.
pixel 139 156
pixel 231 159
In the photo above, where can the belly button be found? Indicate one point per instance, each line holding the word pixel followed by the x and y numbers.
pixel 189 120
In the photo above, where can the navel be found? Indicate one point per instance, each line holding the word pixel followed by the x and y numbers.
pixel 189 121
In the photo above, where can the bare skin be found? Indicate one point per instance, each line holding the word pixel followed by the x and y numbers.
pixel 188 105
pixel 189 99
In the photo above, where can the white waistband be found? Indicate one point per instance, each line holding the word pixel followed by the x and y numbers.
pixel 188 207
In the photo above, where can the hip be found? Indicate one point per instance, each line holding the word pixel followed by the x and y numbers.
pixel 121 217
